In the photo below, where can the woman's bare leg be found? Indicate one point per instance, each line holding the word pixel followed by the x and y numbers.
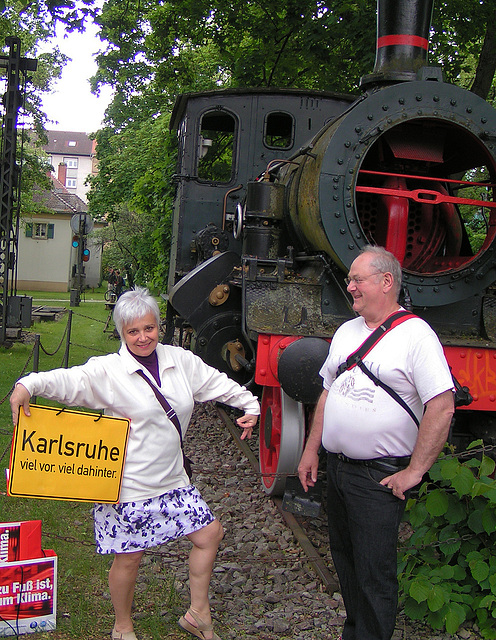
pixel 201 561
pixel 122 581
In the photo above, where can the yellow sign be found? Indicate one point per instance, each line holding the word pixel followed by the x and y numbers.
pixel 62 454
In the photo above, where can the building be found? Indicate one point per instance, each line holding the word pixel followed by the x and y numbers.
pixel 72 156
pixel 47 259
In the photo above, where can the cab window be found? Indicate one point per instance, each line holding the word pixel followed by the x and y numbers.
pixel 216 146
pixel 279 130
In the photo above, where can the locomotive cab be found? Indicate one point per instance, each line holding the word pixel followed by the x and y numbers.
pixel 226 139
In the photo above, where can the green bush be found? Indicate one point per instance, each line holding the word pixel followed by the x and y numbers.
pixel 447 567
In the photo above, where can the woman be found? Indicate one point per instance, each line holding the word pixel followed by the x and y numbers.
pixel 157 502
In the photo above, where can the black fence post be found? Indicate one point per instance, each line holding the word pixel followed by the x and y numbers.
pixel 65 362
pixel 36 358
pixel 36 353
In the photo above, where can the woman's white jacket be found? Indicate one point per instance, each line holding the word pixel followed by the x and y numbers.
pixel 154 459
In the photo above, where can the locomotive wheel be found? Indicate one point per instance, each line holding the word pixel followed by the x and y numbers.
pixel 282 433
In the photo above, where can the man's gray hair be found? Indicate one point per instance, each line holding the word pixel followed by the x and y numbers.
pixel 134 305
pixel 385 262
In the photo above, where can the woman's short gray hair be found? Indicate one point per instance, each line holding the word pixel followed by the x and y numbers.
pixel 134 305
pixel 385 262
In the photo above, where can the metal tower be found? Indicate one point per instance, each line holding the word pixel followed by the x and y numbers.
pixel 11 305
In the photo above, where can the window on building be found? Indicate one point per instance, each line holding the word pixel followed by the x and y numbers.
pixel 71 183
pixel 72 163
pixel 216 146
pixel 40 230
pixel 279 130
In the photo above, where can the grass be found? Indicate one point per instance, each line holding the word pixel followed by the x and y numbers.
pixel 84 607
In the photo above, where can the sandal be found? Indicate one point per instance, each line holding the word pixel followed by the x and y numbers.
pixel 198 631
pixel 128 635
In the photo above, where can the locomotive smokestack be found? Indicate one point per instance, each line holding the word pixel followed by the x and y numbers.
pixel 402 40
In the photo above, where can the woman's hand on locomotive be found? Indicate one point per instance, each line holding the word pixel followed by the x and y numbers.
pixel 20 398
pixel 247 422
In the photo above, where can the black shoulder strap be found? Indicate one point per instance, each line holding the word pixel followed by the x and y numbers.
pixel 172 415
pixel 388 390
pixel 391 322
pixel 355 359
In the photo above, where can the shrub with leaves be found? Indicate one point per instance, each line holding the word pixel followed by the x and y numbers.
pixel 447 567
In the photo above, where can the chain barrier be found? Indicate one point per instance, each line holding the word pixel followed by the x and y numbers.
pixel 81 315
pixel 53 353
pixel 6 450
pixel 19 376
pixel 60 344
pixel 484 449
pixel 283 558
pixel 85 346
pixel 5 431
pixel 50 354
pixel 470 452
pixel 437 544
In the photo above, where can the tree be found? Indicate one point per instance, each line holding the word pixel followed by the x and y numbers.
pixel 463 42
pixel 299 43
pixel 249 43
pixel 139 163
pixel 486 66
pixel 34 24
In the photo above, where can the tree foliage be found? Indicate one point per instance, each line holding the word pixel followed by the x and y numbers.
pixel 138 166
pixel 447 568
pixel 298 43
pixel 34 23
pixel 463 43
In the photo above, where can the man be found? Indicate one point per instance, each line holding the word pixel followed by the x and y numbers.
pixel 119 283
pixel 110 278
pixel 376 453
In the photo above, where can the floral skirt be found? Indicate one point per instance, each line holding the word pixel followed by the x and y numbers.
pixel 139 525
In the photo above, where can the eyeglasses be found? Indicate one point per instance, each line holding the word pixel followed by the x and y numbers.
pixel 359 279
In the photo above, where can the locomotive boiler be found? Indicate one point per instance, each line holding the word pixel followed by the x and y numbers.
pixel 279 190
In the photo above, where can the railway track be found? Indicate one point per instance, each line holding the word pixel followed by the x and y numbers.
pixel 317 562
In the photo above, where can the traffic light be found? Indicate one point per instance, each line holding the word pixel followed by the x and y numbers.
pixel 75 241
pixel 86 254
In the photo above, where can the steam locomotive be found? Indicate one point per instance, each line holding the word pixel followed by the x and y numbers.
pixel 278 191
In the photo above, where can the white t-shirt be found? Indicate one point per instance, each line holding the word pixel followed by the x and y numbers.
pixel 360 419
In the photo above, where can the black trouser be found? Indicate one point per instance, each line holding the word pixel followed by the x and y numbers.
pixel 364 518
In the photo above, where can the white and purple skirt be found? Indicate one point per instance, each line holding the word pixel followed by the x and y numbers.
pixel 134 526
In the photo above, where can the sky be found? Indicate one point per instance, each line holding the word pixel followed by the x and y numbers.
pixel 72 104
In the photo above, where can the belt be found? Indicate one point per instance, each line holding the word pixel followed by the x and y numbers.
pixel 387 464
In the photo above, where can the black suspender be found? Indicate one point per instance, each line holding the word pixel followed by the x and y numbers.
pixel 391 322
pixel 355 358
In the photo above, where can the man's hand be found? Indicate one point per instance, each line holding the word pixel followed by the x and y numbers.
pixel 308 469
pixel 309 463
pixel 401 482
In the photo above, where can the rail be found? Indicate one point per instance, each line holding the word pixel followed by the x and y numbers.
pixel 315 559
